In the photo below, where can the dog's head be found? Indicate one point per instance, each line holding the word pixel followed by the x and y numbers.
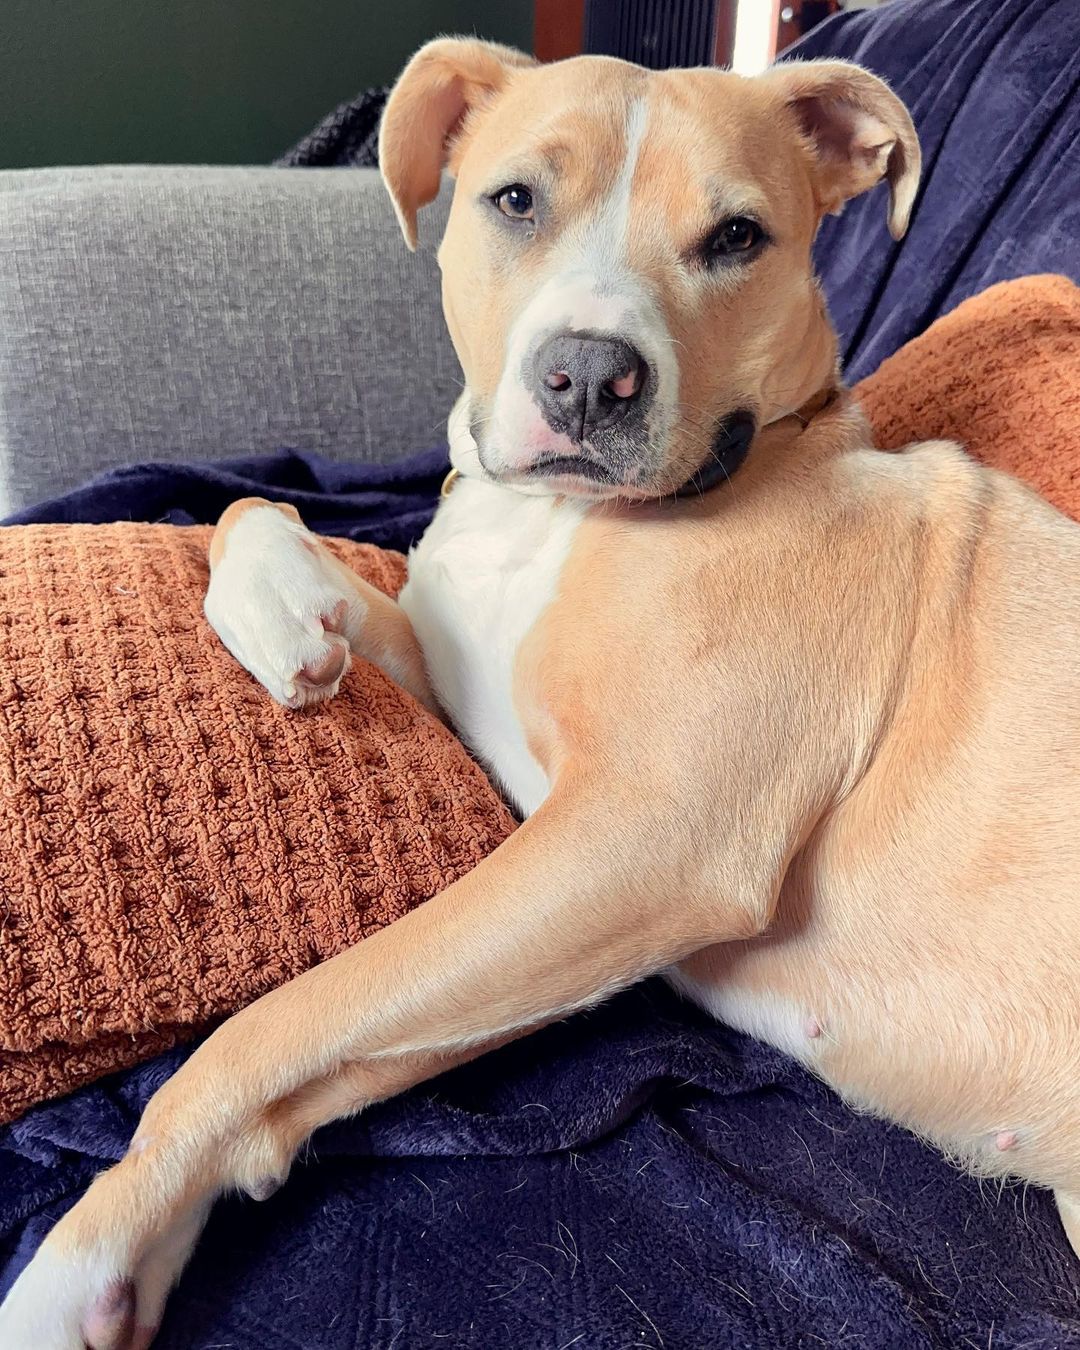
pixel 626 267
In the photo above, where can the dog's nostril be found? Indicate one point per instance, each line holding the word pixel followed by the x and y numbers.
pixel 626 386
pixel 557 380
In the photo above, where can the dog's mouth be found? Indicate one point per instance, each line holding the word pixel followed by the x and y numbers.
pixel 579 473
pixel 725 457
pixel 578 476
pixel 633 474
pixel 576 467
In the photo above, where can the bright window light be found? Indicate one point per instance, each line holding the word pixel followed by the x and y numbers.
pixel 755 36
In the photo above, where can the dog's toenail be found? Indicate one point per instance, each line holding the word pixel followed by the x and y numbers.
pixel 1006 1139
pixel 813 1028
pixel 332 622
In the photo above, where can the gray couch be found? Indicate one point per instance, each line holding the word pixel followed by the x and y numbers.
pixel 197 313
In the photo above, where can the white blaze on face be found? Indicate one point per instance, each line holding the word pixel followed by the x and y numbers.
pixel 590 288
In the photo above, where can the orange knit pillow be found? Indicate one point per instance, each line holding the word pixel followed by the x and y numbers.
pixel 1001 375
pixel 172 842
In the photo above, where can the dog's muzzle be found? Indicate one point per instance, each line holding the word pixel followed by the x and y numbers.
pixel 586 399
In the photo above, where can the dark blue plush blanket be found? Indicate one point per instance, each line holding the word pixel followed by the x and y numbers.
pixel 640 1177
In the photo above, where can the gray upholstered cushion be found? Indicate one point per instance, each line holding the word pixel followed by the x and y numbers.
pixel 186 313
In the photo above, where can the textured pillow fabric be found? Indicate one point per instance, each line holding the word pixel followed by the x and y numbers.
pixel 1001 375
pixel 172 842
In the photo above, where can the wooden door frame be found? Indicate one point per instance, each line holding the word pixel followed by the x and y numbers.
pixel 558 29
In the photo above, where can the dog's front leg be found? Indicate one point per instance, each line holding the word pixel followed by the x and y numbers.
pixel 291 613
pixel 562 914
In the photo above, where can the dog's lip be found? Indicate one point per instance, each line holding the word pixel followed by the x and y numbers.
pixel 574 466
pixel 730 446
pixel 571 475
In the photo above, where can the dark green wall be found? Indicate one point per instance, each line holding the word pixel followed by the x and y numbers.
pixel 205 81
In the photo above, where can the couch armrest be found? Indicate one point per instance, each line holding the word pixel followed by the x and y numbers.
pixel 196 313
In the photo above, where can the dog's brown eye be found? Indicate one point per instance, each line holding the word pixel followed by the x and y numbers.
pixel 515 201
pixel 738 235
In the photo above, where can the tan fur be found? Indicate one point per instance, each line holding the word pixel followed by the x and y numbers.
pixel 385 636
pixel 451 79
pixel 814 736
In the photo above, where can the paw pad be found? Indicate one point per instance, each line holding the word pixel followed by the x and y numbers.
pixel 110 1320
pixel 327 669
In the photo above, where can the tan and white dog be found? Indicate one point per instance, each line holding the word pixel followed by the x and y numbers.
pixel 808 742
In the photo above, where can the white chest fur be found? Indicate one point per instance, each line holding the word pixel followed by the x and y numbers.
pixel 479 579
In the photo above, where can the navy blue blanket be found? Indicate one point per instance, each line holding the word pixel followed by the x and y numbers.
pixel 639 1177
pixel 385 504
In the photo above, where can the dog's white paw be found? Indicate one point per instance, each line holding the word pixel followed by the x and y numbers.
pixel 280 609
pixel 89 1298
pixel 64 1303
pixel 44 1308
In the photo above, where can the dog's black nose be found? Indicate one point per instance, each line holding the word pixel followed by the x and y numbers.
pixel 585 384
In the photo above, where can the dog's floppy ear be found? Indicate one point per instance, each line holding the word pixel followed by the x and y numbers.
pixel 427 109
pixel 858 130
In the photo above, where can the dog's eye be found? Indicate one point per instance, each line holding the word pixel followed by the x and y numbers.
pixel 515 201
pixel 738 235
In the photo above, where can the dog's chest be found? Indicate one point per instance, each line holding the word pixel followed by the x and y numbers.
pixel 480 578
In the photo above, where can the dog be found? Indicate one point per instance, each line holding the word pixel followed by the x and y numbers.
pixel 790 719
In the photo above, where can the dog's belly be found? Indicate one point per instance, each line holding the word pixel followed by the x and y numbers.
pixel 479 579
pixel 847 1036
pixel 763 1014
pixel 962 1056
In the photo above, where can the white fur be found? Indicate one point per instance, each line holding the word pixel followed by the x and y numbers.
pixel 266 597
pixel 614 216
pixel 479 579
pixel 47 1303
pixel 50 1301
pixel 766 1017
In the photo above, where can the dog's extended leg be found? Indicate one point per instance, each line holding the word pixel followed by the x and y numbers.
pixel 562 914
pixel 291 613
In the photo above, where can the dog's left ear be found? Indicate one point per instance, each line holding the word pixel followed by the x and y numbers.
pixel 426 112
pixel 859 133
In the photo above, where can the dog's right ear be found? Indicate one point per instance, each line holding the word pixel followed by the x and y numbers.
pixel 443 83
pixel 858 131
